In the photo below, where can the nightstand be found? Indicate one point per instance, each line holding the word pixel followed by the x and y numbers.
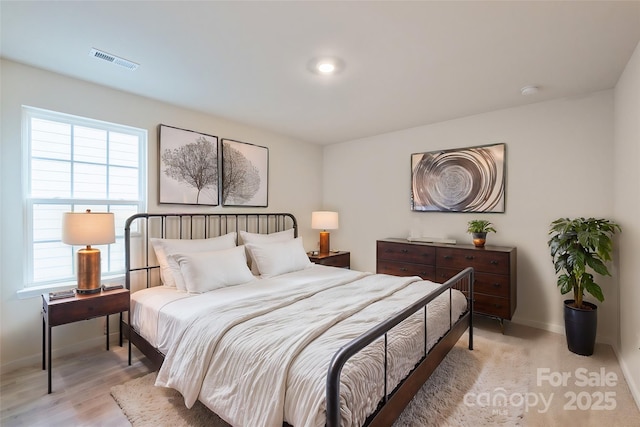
pixel 333 259
pixel 77 308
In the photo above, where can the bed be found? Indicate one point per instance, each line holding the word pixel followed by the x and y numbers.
pixel 278 340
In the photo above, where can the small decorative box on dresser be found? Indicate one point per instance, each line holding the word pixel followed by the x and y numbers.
pixel 495 284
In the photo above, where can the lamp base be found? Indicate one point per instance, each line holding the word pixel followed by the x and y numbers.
pixel 324 242
pixel 88 271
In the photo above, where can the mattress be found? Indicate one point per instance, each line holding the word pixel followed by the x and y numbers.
pixel 160 312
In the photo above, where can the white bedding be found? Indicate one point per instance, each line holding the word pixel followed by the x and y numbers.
pixel 257 354
pixel 160 312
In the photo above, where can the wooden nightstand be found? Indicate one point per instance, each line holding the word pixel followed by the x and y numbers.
pixel 333 259
pixel 74 309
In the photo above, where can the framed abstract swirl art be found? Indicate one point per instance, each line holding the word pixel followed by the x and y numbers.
pixel 459 180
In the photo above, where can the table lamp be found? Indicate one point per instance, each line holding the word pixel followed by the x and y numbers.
pixel 88 228
pixel 324 220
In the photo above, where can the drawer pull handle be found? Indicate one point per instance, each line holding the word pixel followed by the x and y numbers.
pixel 403 269
pixel 496 285
pixel 469 257
pixel 448 257
pixel 497 305
pixel 404 251
pixel 493 262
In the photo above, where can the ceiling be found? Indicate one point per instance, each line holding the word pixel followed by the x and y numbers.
pixel 406 63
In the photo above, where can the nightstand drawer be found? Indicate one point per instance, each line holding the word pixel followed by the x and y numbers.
pixel 485 262
pixel 84 307
pixel 406 253
pixel 334 259
pixel 340 260
pixel 427 272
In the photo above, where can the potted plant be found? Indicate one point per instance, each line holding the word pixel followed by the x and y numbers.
pixel 479 229
pixel 578 246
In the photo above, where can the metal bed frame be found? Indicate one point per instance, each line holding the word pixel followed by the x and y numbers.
pixel 205 225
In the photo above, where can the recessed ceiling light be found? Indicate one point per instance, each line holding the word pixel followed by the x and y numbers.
pixel 529 90
pixel 326 66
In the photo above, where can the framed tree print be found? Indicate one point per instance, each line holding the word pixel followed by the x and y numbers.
pixel 459 180
pixel 245 174
pixel 188 167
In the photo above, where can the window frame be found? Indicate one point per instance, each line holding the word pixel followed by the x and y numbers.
pixel 32 287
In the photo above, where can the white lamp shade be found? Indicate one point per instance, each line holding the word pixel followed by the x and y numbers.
pixel 88 228
pixel 324 220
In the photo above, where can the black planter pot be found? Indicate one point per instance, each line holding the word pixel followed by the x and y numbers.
pixel 580 326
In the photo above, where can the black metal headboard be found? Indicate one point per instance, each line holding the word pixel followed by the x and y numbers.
pixel 144 226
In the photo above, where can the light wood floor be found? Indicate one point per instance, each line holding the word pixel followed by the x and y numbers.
pixel 80 395
pixel 81 384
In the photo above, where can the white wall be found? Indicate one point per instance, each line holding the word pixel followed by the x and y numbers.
pixel 559 163
pixel 22 85
pixel 627 210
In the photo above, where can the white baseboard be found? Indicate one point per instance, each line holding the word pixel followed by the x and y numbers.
pixel 559 329
pixel 633 386
pixel 550 327
pixel 36 359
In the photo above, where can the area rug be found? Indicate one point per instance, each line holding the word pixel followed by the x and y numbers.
pixel 483 387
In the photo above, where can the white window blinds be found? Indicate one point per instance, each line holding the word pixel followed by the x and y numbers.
pixel 74 164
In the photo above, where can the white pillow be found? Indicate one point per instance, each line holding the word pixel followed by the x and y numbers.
pixel 272 259
pixel 206 271
pixel 164 248
pixel 246 238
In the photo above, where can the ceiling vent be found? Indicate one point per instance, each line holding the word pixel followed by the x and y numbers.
pixel 113 59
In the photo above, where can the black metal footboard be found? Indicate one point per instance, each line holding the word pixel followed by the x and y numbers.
pixel 394 402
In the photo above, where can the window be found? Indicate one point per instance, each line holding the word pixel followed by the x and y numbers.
pixel 74 164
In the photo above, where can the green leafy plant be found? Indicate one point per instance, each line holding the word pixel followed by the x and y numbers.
pixel 480 226
pixel 576 246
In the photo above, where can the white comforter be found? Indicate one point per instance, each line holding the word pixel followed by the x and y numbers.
pixel 262 361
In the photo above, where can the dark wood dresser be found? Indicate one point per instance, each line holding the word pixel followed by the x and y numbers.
pixel 495 286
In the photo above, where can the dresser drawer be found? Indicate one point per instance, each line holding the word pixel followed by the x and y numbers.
pixel 492 306
pixel 492 284
pixel 395 268
pixel 485 262
pixel 485 283
pixel 406 253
